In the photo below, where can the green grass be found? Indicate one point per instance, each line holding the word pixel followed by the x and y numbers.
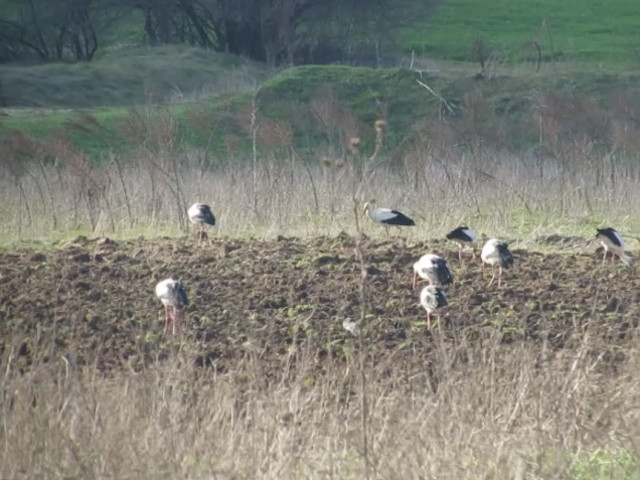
pixel 589 31
pixel 603 464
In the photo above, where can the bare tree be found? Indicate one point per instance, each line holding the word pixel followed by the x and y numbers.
pixel 275 31
pixel 55 29
pixel 279 31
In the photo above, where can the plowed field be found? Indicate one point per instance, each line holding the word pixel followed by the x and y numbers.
pixel 92 301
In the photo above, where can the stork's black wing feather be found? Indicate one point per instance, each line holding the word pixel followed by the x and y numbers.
pixel 459 233
pixel 444 274
pixel 611 234
pixel 441 298
pixel 399 219
pixel 206 215
pixel 181 296
pixel 506 258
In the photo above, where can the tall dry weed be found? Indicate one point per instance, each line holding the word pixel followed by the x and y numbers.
pixel 455 167
pixel 478 407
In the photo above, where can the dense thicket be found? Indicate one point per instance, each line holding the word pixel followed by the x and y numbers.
pixel 274 31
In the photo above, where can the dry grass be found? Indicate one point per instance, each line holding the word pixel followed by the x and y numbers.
pixel 499 194
pixel 479 410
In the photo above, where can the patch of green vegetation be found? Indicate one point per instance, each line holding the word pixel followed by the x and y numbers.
pixel 601 464
pixel 290 101
pixel 56 238
pixel 577 30
pixel 299 309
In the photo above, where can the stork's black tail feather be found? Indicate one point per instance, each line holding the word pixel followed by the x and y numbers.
pixel 441 298
pixel 181 296
pixel 400 219
pixel 506 258
pixel 444 274
pixel 207 215
pixel 459 233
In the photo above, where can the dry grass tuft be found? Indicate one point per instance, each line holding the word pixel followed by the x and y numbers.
pixel 149 192
pixel 478 408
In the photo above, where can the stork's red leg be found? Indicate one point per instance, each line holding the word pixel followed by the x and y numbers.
pixel 176 320
pixel 493 275
pixel 174 311
pixel 166 318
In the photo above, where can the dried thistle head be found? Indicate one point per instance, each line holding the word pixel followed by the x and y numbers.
pixel 354 145
pixel 331 162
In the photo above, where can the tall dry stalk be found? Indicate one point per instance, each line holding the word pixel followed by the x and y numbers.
pixel 362 178
pixel 115 160
pixel 253 129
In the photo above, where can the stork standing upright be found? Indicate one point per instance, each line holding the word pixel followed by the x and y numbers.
pixel 612 241
pixel 433 268
pixel 201 215
pixel 463 236
pixel 387 216
pixel 173 296
pixel 432 298
pixel 496 252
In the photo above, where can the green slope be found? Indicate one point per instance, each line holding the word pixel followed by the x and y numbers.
pixel 129 76
pixel 290 101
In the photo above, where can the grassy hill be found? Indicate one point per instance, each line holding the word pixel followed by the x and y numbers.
pixel 129 76
pixel 355 97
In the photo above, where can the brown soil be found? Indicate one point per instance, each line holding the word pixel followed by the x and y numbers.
pixel 92 301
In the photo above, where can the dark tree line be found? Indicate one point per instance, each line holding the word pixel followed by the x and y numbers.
pixel 274 31
pixel 53 29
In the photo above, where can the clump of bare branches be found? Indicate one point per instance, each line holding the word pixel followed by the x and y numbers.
pixel 337 122
pixel 160 156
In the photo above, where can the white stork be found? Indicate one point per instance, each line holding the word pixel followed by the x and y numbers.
pixel 463 236
pixel 496 252
pixel 611 240
pixel 387 216
pixel 201 214
pixel 434 269
pixel 351 326
pixel 174 298
pixel 432 298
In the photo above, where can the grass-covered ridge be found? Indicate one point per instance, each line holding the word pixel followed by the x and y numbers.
pixel 129 76
pixel 320 104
